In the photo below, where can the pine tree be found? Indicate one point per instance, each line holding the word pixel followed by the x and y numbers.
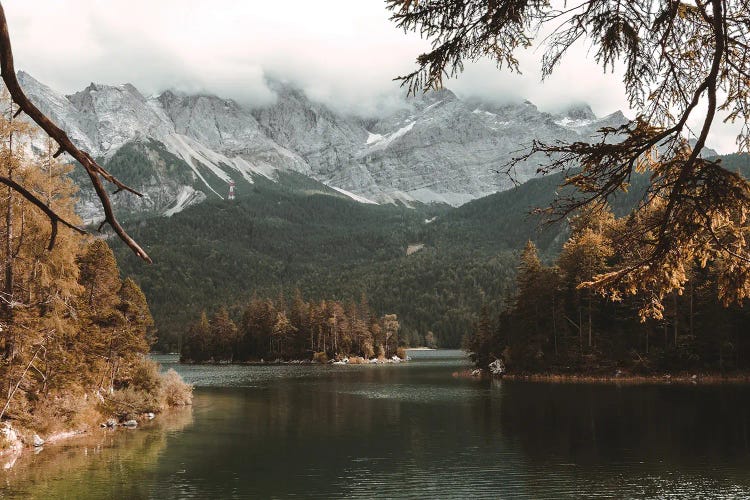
pixel 223 336
pixel 196 345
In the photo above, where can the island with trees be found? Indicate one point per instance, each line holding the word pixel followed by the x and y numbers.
pixel 275 331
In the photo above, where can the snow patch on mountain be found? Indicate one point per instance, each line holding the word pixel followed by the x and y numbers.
pixel 180 146
pixel 186 197
pixel 353 196
pixel 373 138
pixel 384 141
pixel 573 123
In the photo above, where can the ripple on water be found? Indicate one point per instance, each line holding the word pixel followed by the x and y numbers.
pixel 411 431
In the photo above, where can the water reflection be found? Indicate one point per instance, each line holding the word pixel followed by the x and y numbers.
pixel 105 463
pixel 415 431
pixel 588 424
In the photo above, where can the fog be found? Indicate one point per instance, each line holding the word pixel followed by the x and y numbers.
pixel 340 52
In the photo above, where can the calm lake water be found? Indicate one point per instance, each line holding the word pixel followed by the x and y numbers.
pixel 411 430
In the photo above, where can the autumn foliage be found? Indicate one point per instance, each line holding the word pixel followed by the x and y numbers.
pixel 562 322
pixel 73 335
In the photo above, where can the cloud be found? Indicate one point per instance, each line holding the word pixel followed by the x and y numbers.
pixel 341 52
pixel 329 48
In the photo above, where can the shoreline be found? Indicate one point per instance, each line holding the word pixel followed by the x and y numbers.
pixel 621 379
pixel 628 379
pixel 308 362
pixel 18 443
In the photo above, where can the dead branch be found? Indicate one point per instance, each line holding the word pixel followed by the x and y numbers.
pixel 95 171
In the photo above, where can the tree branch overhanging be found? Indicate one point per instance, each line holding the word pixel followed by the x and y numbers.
pixel 683 62
pixel 95 171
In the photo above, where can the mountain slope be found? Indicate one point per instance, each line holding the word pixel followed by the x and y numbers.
pixel 433 265
pixel 434 148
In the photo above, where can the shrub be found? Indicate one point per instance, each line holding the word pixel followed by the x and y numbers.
pixel 320 357
pixel 174 390
pixel 128 403
pixel 146 377
pixel 70 411
pixel 401 353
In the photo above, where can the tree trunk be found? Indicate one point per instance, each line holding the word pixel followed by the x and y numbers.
pixel 554 324
pixel 580 323
pixel 590 324
pixel 674 304
pixel 7 303
pixel 692 289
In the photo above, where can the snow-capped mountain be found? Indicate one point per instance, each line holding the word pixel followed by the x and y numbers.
pixel 179 149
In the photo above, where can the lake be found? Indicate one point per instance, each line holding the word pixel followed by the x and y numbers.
pixel 409 430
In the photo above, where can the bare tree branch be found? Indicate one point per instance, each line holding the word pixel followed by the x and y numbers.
pixel 95 172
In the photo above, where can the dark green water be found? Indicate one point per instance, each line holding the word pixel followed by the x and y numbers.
pixel 409 431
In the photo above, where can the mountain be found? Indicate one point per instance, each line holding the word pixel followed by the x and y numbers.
pixel 183 149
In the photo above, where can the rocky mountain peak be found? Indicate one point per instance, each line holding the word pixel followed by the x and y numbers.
pixel 437 147
pixel 433 96
pixel 580 111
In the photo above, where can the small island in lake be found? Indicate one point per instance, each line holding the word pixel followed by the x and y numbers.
pixel 325 331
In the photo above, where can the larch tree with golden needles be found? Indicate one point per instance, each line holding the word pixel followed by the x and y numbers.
pixel 69 324
pixel 683 61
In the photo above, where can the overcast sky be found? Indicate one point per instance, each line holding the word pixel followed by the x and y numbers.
pixel 342 52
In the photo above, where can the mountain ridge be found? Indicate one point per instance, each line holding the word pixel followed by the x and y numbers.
pixel 436 147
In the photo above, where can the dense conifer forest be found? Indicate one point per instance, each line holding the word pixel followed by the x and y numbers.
pixel 284 236
pixel 296 234
pixel 555 325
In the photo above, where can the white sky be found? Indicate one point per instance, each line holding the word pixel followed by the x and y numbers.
pixel 342 52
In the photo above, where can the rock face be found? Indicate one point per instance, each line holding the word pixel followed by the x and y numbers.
pixel 11 440
pixel 179 149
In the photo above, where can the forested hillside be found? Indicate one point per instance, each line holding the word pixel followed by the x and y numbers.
pixel 298 233
pixel 556 326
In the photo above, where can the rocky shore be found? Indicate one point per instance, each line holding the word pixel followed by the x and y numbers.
pixel 16 440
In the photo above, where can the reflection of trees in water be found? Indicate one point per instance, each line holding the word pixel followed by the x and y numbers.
pixel 381 430
pixel 592 424
pixel 368 431
pixel 82 466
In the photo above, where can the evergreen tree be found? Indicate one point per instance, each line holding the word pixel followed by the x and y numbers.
pixel 223 336
pixel 196 346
